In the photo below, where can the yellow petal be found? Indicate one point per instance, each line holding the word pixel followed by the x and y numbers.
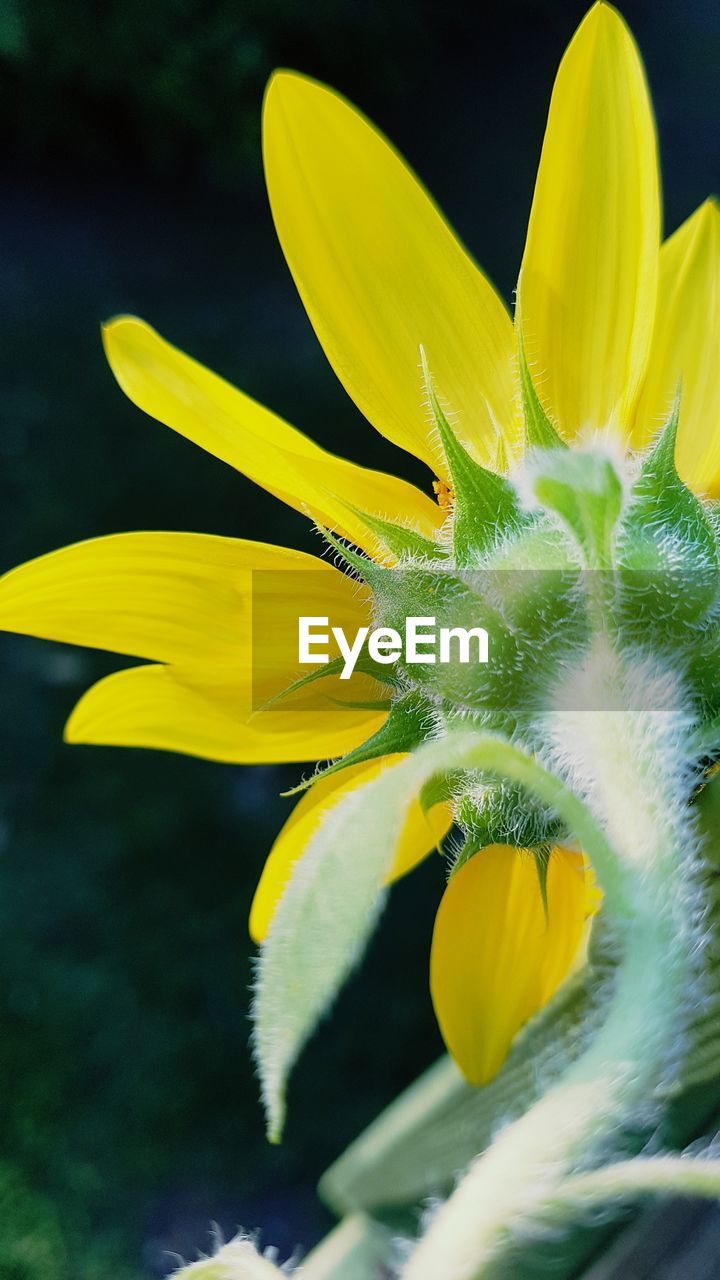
pixel 209 714
pixel 589 275
pixel 198 404
pixel 421 833
pixel 182 597
pixel 380 272
pixel 496 958
pixel 686 350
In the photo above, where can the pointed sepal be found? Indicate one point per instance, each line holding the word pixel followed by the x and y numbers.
pixel 409 722
pixel 659 474
pixel 485 507
pixel 669 552
pixel 503 813
pixel 539 430
pixel 401 542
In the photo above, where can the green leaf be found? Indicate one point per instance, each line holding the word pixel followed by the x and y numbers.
pixel 408 723
pixel 585 491
pixel 485 504
pixel 433 1131
pixel 323 922
pixel 330 905
pixel 539 430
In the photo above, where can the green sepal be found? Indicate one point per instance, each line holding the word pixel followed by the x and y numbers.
pixel 504 814
pixel 399 540
pixel 539 430
pixel 362 564
pixel 406 727
pixel 485 504
pixel 585 491
pixel 668 548
pixel 375 576
pixel 373 704
pixel 659 472
pixel 364 666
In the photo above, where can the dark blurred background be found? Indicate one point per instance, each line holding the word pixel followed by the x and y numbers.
pixel 132 182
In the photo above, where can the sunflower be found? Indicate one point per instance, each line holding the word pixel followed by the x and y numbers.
pixel 611 321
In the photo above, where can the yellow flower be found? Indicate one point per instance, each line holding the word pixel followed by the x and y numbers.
pixel 610 323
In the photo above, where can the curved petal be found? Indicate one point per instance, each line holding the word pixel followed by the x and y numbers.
pixel 686 350
pixel 589 275
pixel 380 272
pixel 181 597
pixel 198 404
pixel 496 957
pixel 421 834
pixel 209 714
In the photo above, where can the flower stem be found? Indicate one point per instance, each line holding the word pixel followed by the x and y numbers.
pixel 633 822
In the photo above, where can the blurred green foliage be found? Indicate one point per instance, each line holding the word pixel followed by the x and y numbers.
pixel 176 85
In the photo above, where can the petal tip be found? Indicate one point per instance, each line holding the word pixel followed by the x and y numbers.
pixel 72 734
pixel 603 11
pixel 257 928
pixel 603 19
pixel 704 222
pixel 112 322
pixel 711 209
pixel 286 85
pixel 116 327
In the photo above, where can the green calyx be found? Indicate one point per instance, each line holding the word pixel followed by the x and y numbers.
pixel 580 547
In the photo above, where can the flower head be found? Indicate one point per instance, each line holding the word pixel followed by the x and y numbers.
pixel 607 323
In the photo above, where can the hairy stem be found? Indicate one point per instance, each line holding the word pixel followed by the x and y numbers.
pixel 629 766
pixel 631 1179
